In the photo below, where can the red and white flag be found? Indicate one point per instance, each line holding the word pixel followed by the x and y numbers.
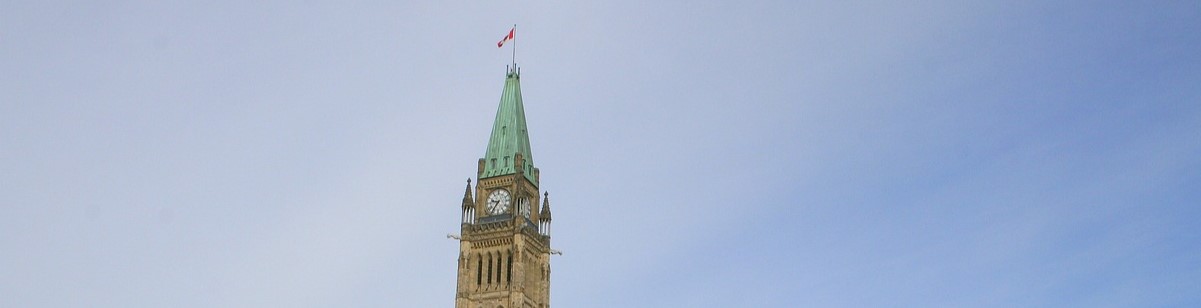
pixel 506 38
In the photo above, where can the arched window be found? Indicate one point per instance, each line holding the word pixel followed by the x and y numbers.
pixel 509 270
pixel 500 267
pixel 479 270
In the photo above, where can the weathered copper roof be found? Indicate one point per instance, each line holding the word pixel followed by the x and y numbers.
pixel 509 134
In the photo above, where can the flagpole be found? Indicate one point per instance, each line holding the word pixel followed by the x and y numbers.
pixel 514 46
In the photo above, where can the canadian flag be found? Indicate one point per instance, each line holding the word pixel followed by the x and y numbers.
pixel 506 38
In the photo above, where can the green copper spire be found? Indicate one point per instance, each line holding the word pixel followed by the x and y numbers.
pixel 509 135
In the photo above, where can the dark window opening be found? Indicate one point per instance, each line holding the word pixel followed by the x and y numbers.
pixel 500 267
pixel 509 274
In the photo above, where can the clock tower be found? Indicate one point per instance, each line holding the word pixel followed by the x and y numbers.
pixel 504 250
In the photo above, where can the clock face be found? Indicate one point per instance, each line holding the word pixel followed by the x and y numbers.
pixel 498 202
pixel 523 206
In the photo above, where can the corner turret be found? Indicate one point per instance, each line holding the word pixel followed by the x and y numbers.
pixel 544 215
pixel 468 204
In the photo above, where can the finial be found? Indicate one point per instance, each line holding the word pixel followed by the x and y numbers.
pixel 468 181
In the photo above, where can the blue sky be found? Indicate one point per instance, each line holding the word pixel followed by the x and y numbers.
pixel 729 154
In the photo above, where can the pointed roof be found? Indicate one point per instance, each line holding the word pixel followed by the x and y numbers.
pixel 544 214
pixel 467 199
pixel 509 134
